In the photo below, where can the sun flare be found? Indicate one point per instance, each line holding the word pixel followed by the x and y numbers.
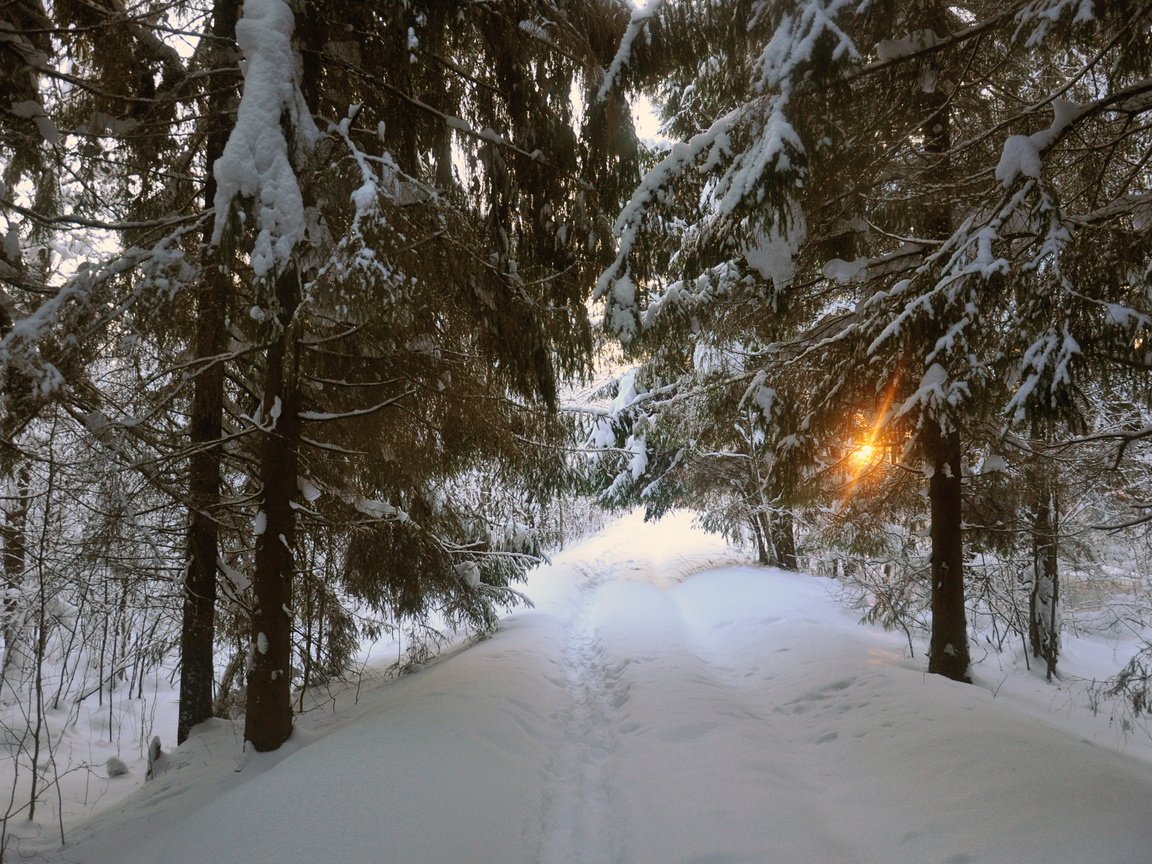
pixel 863 456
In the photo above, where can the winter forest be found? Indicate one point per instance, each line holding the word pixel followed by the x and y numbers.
pixel 323 323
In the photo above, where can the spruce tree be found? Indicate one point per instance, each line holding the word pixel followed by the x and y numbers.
pixel 387 321
pixel 885 209
pixel 419 289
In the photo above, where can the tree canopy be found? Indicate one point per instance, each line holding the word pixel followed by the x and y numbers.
pixel 312 273
pixel 918 227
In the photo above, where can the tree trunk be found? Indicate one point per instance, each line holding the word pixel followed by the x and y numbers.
pixel 760 531
pixel 13 531
pixel 784 539
pixel 1043 620
pixel 222 705
pixel 268 707
pixel 948 646
pixel 198 626
pixel 268 720
pixel 197 632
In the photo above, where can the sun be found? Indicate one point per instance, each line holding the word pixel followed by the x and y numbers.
pixel 863 456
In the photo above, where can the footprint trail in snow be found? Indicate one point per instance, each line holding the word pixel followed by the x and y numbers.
pixel 578 805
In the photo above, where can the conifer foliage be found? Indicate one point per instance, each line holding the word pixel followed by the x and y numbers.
pixel 882 224
pixel 309 273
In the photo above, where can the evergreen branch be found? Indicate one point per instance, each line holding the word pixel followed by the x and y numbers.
pixel 100 225
pixel 315 416
pixel 455 123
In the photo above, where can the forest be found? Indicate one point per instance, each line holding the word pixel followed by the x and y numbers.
pixel 324 320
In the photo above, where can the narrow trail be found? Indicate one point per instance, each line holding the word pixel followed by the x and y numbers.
pixel 578 813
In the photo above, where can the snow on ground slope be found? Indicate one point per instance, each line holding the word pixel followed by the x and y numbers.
pixel 651 712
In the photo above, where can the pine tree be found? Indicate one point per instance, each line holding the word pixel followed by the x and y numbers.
pixel 388 323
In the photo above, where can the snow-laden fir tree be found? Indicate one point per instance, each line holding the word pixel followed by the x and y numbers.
pixel 350 280
pixel 928 219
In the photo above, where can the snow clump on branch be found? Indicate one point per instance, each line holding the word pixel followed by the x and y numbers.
pixel 257 162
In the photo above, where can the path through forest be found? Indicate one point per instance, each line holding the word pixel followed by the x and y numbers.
pixel 652 711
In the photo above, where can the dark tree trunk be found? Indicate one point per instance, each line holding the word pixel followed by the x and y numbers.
pixel 268 709
pixel 13 531
pixel 784 539
pixel 760 531
pixel 1043 621
pixel 268 720
pixel 197 632
pixel 948 646
pixel 198 628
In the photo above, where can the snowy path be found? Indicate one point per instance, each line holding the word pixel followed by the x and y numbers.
pixel 577 826
pixel 737 716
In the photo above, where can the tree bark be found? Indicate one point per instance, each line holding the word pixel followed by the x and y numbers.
pixel 1043 621
pixel 268 709
pixel 759 523
pixel 948 646
pixel 198 625
pixel 13 531
pixel 784 539
pixel 268 721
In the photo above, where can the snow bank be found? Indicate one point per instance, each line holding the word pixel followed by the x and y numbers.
pixel 1022 155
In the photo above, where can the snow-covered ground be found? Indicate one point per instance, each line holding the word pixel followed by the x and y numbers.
pixel 660 705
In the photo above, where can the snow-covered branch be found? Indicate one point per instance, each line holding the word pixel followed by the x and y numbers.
pixel 259 161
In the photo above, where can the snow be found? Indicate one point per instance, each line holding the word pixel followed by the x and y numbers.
pixel 895 49
pixel 843 272
pixel 1022 155
pixel 772 254
pixel 256 162
pixel 992 464
pixel 1045 13
pixel 765 399
pixel 32 110
pixel 115 767
pixel 627 226
pixel 1050 350
pixel 935 390
pixel 536 31
pixel 469 571
pixel 642 13
pixel 796 38
pixel 381 510
pixel 307 489
pixel 661 704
